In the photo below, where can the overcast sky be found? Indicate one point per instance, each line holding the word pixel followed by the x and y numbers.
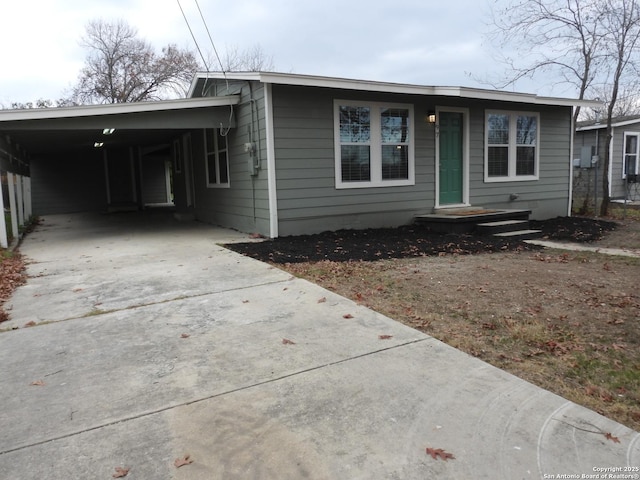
pixel 410 41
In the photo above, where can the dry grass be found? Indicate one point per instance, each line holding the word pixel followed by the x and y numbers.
pixel 567 322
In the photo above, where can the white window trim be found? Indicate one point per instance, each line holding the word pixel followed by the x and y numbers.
pixel 376 146
pixel 624 153
pixel 217 161
pixel 512 177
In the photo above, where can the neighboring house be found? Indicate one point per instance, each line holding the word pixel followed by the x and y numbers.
pixel 284 154
pixel 590 143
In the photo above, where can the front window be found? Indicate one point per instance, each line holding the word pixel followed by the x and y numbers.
pixel 217 161
pixel 511 146
pixel 374 144
pixel 630 165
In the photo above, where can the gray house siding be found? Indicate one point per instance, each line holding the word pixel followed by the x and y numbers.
pixel 546 197
pixel 154 179
pixel 305 164
pixel 584 177
pixel 617 159
pixel 244 205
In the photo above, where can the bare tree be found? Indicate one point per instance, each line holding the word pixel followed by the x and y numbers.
pixel 251 59
pixel 627 103
pixel 622 26
pixel 562 37
pixel 121 67
pixel 588 44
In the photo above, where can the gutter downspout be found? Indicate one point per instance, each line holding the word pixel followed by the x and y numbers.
pixel 573 136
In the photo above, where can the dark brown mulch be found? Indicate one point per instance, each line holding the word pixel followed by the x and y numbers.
pixel 408 241
pixel 573 229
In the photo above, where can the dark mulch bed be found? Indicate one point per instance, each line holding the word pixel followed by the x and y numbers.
pixel 409 241
pixel 573 229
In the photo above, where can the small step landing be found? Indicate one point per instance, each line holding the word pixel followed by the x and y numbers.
pixel 512 229
pixel 465 220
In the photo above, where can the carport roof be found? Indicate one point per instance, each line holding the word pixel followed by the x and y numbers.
pixel 51 130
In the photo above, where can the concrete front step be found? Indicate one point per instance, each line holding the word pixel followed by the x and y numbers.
pixel 465 220
pixel 520 234
pixel 491 228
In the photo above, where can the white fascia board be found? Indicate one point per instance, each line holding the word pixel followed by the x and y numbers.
pixel 116 108
pixel 388 87
pixel 600 125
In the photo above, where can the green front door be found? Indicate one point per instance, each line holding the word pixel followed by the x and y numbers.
pixel 451 157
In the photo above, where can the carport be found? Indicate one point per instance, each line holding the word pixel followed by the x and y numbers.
pixel 114 157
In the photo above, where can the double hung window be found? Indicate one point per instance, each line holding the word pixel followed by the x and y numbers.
pixel 217 158
pixel 512 147
pixel 630 165
pixel 374 144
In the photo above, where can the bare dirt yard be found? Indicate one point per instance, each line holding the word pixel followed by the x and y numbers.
pixel 566 321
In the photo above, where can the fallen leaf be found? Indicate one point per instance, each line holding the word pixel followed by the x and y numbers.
pixel 184 335
pixel 38 383
pixel 30 324
pixel 121 472
pixel 322 300
pixel 181 462
pixel 347 315
pixel 385 337
pixel 439 453
pixel 245 301
pixel 77 290
pixel 608 436
pixel 286 341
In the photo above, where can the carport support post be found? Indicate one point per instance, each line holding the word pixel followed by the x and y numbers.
pixel 12 204
pixel 4 241
pixel 28 211
pixel 20 200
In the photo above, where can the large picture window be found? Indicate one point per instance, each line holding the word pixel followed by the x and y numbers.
pixel 374 144
pixel 217 158
pixel 511 146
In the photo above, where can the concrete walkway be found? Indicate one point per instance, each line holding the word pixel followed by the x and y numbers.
pixel 153 343
pixel 577 247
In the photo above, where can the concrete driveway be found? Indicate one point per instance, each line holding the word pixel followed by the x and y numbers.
pixel 153 343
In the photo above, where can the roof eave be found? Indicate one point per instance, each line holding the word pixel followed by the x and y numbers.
pixel 388 87
pixel 116 108
pixel 600 125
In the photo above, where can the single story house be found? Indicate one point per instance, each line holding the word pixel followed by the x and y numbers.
pixel 624 167
pixel 285 154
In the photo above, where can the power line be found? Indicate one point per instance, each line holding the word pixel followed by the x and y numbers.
pixel 215 50
pixel 204 86
pixel 186 20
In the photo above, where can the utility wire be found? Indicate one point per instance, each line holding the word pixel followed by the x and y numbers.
pixel 224 132
pixel 215 50
pixel 204 61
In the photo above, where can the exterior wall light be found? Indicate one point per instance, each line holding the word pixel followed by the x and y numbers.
pixel 108 131
pixel 98 144
pixel 431 117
